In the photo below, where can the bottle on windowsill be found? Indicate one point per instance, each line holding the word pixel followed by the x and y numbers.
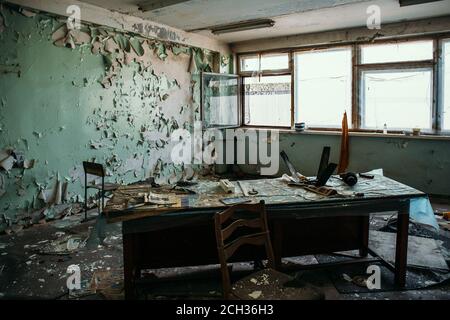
pixel 385 129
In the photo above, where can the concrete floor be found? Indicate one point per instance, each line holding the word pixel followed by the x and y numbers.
pixel 27 273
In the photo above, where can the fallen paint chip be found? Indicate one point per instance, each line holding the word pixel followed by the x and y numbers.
pixel 255 294
pixel 8 163
pixel 28 164
pixel 37 134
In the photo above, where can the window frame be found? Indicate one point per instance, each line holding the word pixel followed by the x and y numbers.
pixel 321 48
pixel 440 86
pixel 265 73
pixel 357 68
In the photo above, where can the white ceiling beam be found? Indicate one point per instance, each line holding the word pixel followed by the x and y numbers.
pixel 101 16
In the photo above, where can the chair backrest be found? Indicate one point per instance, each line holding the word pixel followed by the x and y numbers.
pixel 226 249
pixel 93 168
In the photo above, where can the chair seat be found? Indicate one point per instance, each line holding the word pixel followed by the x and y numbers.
pixel 108 186
pixel 268 284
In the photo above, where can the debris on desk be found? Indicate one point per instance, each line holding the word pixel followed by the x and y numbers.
pixel 233 201
pixel 349 178
pixel 246 191
pixel 227 186
pixel 186 183
pixel 183 190
pixel 323 191
pixel 317 185
pixel 160 199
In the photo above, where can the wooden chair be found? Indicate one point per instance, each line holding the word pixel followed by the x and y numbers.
pixel 265 284
pixel 96 169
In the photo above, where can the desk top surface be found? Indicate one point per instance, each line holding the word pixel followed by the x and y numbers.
pixel 128 202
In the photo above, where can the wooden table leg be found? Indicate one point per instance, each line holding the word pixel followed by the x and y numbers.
pixel 128 267
pixel 277 244
pixel 365 222
pixel 401 249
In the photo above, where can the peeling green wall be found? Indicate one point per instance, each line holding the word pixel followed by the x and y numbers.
pixel 58 112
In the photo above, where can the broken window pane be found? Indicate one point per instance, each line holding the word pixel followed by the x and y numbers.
pixel 268 101
pixel 401 99
pixel 396 52
pixel 446 84
pixel 275 61
pixel 220 100
pixel 323 86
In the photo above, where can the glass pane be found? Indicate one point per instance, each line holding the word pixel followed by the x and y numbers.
pixel 275 62
pixel 323 86
pixel 446 85
pixel 399 99
pixel 395 52
pixel 268 101
pixel 220 100
pixel 250 63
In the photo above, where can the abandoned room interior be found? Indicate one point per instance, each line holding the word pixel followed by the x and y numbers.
pixel 218 150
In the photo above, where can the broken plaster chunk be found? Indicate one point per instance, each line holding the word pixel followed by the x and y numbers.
pixel 96 47
pixel 80 37
pixel 111 46
pixel 60 33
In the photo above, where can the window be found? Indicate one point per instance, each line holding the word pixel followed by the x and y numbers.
pixel 446 85
pixel 220 107
pixel 399 94
pixel 274 62
pixel 396 52
pixel 268 101
pixel 266 62
pixel 400 99
pixel 323 86
pixel 249 63
pixel 398 84
pixel 267 89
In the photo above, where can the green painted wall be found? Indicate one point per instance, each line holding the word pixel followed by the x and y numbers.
pixel 58 112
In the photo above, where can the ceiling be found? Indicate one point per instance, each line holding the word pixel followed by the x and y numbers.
pixel 290 16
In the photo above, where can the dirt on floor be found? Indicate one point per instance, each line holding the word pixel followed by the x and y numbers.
pixel 38 262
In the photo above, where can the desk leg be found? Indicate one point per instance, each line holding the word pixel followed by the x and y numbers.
pixel 401 249
pixel 277 244
pixel 128 267
pixel 365 222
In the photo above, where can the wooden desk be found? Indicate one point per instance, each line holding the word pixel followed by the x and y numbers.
pixel 300 222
